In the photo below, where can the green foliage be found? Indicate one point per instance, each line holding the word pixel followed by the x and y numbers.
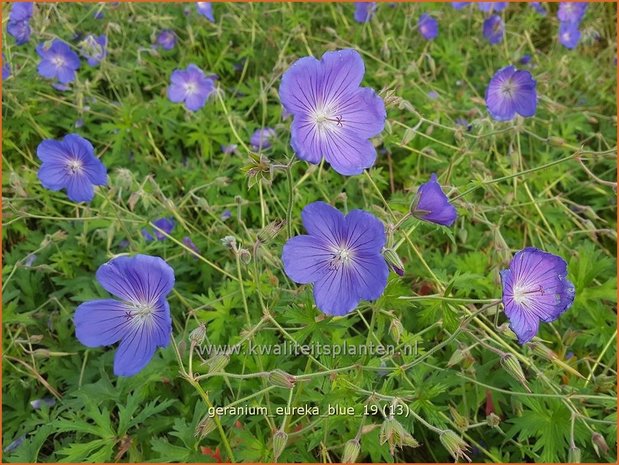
pixel 546 181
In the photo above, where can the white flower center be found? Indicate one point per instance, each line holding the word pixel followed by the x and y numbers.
pixel 75 166
pixel 508 88
pixel 341 257
pixel 58 61
pixel 326 119
pixel 190 88
pixel 524 295
pixel 139 314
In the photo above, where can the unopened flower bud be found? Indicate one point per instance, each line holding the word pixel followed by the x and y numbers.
pixel 396 329
pixel 206 426
pixel 244 256
pixel 599 444
pixel 196 337
pixel 512 366
pixel 556 141
pixel 217 363
pixel 351 451
pixel 461 422
pixel 282 379
pixel 540 349
pixel 456 357
pixel 573 455
pixel 393 260
pixel 270 231
pixel 280 438
pixel 455 445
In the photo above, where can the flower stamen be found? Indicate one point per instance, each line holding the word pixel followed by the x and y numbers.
pixel 75 166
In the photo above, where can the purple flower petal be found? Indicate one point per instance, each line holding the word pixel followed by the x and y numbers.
pixel 190 86
pixel 229 149
pixel 101 322
pixel 305 258
pixel 539 8
pixel 354 154
pixel 6 68
pixel 370 273
pixel 20 30
pixel 80 189
pixel 206 10
pixel 428 26
pixel 365 233
pixel 21 11
pixel 58 61
pixel 535 288
pixel 571 12
pixel 569 35
pixel 53 177
pixel 195 101
pixel 494 29
pixel 166 39
pixel 511 92
pixel 176 92
pixel 261 138
pixel 324 221
pixel 364 11
pixel 308 79
pixel 492 6
pixel 138 347
pixel 459 5
pixel 94 48
pixel 335 294
pixel 333 117
pixel 341 256
pixel 71 164
pixel 137 279
pixel 526 103
pixel 433 205
pixel 47 69
pixel 189 243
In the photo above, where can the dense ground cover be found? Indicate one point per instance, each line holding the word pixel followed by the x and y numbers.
pixel 545 181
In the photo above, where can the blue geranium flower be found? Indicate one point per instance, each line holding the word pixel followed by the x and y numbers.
pixel 94 48
pixel 139 318
pixel 71 164
pixel 19 21
pixel 58 61
pixel 431 204
pixel 6 68
pixel 535 288
pixel 166 39
pixel 191 87
pixel 569 34
pixel 206 10
pixel 511 92
pixel 428 26
pixel 165 224
pixel 341 255
pixel 364 11
pixel 571 12
pixel 333 117
pixel 494 29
